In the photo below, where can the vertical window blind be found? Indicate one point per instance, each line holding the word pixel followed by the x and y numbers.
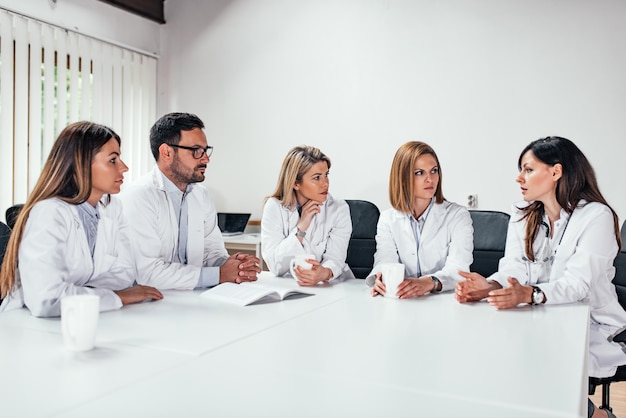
pixel 50 77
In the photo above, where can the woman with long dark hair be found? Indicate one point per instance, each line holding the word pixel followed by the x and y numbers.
pixel 560 248
pixel 70 237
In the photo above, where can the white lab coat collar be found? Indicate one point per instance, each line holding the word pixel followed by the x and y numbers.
pixel 433 223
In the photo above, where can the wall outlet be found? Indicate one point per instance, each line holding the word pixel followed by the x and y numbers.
pixel 472 201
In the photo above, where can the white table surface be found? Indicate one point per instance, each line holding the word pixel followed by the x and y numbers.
pixel 187 323
pixel 40 378
pixel 338 353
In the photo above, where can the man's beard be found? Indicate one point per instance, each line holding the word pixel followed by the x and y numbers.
pixel 184 177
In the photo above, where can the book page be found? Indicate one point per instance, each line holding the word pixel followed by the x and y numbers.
pixel 280 291
pixel 240 295
pixel 250 292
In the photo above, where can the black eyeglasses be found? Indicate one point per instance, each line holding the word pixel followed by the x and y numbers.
pixel 197 151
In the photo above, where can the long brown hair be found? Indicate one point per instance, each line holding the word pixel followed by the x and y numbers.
pixel 66 175
pixel 401 175
pixel 578 182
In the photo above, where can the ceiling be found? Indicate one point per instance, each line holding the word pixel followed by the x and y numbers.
pixel 150 9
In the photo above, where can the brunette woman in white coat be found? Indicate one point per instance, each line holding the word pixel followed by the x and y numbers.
pixel 560 248
pixel 301 217
pixel 431 236
pixel 70 237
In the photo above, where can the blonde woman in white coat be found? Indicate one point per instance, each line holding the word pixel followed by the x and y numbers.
pixel 560 248
pixel 301 217
pixel 432 237
pixel 70 237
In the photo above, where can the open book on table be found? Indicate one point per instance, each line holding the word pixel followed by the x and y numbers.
pixel 250 292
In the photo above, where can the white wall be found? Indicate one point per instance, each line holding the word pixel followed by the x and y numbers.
pixel 478 80
pixel 93 18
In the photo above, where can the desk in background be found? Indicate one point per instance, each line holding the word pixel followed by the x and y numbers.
pixel 246 243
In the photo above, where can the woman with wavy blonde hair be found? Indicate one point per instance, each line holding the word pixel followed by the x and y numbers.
pixel 70 237
pixel 301 217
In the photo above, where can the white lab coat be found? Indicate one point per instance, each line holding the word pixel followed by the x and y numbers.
pixel 582 270
pixel 154 233
pixel 446 243
pixel 327 237
pixel 54 258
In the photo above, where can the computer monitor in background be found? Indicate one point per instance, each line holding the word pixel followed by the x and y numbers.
pixel 232 223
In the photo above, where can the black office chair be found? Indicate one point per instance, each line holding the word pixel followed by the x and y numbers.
pixel 620 288
pixel 11 214
pixel 5 233
pixel 490 229
pixel 362 245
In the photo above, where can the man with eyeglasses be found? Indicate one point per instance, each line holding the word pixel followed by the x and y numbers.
pixel 173 220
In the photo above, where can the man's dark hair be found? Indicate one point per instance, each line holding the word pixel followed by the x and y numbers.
pixel 167 129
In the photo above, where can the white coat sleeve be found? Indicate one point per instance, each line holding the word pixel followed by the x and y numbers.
pixel 513 263
pixel 386 248
pixel 460 249
pixel 278 245
pixel 592 258
pixel 215 253
pixel 114 263
pixel 334 256
pixel 45 274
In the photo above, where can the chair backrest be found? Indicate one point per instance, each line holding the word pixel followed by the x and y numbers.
pixel 11 214
pixel 490 229
pixel 5 233
pixel 362 244
pixel 620 270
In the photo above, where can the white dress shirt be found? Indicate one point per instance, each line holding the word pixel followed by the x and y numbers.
pixel 576 264
pixel 55 260
pixel 327 237
pixel 445 247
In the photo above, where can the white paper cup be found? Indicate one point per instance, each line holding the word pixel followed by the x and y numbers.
pixel 79 321
pixel 300 260
pixel 392 276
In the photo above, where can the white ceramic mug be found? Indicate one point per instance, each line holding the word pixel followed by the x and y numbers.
pixel 300 260
pixel 79 321
pixel 392 275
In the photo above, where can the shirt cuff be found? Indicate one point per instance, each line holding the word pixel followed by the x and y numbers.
pixel 209 277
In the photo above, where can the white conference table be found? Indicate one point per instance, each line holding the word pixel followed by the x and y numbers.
pixel 338 353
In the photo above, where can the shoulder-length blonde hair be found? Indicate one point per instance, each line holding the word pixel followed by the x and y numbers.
pixel 66 175
pixel 295 165
pixel 401 175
